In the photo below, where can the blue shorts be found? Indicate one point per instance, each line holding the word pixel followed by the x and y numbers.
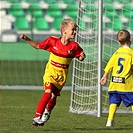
pixel 117 98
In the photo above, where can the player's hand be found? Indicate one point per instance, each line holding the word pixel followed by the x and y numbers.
pixel 103 81
pixel 82 56
pixel 23 36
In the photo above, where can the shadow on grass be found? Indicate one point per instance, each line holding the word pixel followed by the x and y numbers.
pixel 106 128
pixel 78 129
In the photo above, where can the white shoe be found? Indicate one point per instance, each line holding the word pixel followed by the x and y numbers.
pixel 46 115
pixel 37 122
pixel 109 123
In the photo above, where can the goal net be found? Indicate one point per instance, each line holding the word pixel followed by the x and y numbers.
pixel 116 16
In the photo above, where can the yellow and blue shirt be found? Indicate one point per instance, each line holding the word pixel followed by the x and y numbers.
pixel 121 66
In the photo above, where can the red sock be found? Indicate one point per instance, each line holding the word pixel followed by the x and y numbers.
pixel 51 104
pixel 42 104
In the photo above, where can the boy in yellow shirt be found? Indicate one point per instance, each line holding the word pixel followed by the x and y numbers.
pixel 121 83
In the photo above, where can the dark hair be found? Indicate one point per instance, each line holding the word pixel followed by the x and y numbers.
pixel 123 37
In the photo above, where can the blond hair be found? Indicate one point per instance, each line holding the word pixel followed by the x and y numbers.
pixel 123 37
pixel 66 22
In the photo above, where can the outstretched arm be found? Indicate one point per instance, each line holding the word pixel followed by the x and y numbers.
pixel 104 78
pixel 30 41
pixel 82 56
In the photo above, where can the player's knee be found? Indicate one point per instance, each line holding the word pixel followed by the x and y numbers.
pixel 48 91
pixel 54 96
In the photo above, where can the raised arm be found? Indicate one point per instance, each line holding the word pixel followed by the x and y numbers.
pixel 30 41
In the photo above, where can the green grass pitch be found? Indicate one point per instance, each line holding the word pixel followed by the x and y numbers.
pixel 17 108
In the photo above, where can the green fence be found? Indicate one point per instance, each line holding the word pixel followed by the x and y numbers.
pixel 20 64
pixel 21 51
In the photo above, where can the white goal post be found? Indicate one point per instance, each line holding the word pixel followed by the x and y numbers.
pixel 97 36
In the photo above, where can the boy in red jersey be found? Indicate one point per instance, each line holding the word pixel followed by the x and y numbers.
pixel 62 51
pixel 121 83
